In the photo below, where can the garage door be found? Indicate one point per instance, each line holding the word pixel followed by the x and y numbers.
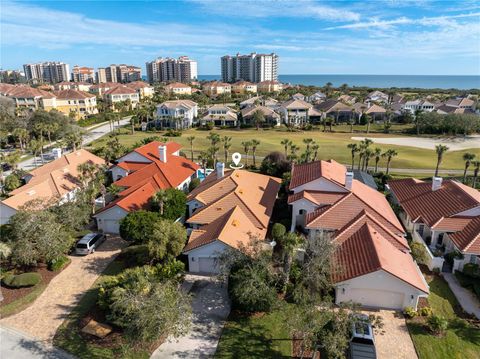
pixel 111 226
pixel 378 298
pixel 207 265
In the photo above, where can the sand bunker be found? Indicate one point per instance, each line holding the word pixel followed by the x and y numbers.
pixel 455 143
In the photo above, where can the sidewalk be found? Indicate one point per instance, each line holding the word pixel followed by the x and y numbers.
pixel 467 299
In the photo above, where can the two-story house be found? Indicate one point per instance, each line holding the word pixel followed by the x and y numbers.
pixel 220 115
pixel 176 113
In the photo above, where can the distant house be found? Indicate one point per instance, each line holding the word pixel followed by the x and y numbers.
pixel 178 88
pixel 347 99
pixel 442 214
pixel 230 209
pixel 298 96
pixel 269 86
pixel 421 105
pixel 140 174
pixel 242 87
pixel 295 112
pixel 100 89
pixel 121 93
pixel 80 86
pixel 216 88
pixel 374 266
pixel 54 182
pixel 317 97
pixel 29 98
pixel 463 103
pixel 271 117
pixel 336 110
pixel 220 115
pixel 176 113
pixel 142 88
pixel 259 100
pixel 78 103
pixel 377 96
pixel 376 112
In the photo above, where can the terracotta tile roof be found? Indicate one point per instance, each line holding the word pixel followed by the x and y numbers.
pixel 451 223
pixel 53 180
pixel 296 104
pixel 307 172
pixel 422 204
pixel 467 240
pixel 72 95
pixel 375 109
pixel 23 91
pixel 138 85
pixel 333 105
pixel 250 110
pixel 120 90
pixel 172 104
pixel 234 228
pixel 131 166
pixel 317 197
pixel 367 251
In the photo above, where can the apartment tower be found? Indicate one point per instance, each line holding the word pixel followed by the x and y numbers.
pixel 254 67
pixel 83 74
pixel 47 72
pixel 168 69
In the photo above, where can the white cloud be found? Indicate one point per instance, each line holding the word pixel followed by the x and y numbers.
pixel 278 8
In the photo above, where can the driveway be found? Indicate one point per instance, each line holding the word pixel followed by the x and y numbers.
pixel 211 307
pixel 393 341
pixel 45 315
pixel 17 345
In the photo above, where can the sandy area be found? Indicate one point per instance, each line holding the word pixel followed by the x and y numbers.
pixel 454 143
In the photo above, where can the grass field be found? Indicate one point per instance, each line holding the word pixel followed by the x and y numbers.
pixel 332 145
pixel 461 340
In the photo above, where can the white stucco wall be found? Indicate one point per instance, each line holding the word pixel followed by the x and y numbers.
pixel 118 172
pixel 297 206
pixel 133 157
pixel 114 213
pixel 193 205
pixel 320 184
pixel 207 251
pixel 378 290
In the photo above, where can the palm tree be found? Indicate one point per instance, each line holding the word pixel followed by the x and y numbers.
pixel 475 173
pixel 353 149
pixel 315 148
pixel 440 150
pixel 389 154
pixel 214 140
pixel 468 158
pixel 343 88
pixel 289 242
pixel 351 121
pixel 190 140
pixel 308 142
pixel 368 119
pixel 246 148
pixel 227 143
pixel 21 134
pixel 293 152
pixel 328 88
pixel 203 159
pixel 378 153
pixel 254 143
pixel 12 159
pixel 418 120
pixel 258 118
pixel 368 155
pixel 160 198
pixel 35 147
pixel 286 143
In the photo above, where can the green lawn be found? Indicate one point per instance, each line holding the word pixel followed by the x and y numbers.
pixel 68 336
pixel 461 340
pixel 264 336
pixel 332 145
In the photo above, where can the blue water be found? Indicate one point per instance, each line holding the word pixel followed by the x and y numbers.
pixel 379 81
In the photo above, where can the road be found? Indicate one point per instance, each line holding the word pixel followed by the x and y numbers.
pixel 17 345
pixel 90 136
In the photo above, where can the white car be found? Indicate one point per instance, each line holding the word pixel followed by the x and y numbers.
pixel 362 343
pixel 89 243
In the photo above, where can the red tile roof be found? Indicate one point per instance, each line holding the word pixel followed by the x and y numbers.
pixel 366 251
pixel 72 95
pixel 317 197
pixel 467 240
pixel 308 172
pixel 120 90
pixel 423 204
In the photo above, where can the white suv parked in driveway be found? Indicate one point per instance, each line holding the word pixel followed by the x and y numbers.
pixel 89 243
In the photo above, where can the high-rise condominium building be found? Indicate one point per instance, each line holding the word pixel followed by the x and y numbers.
pixel 50 72
pixel 254 67
pixel 83 74
pixel 119 73
pixel 167 69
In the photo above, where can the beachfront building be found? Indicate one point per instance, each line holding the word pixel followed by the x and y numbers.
pixel 48 72
pixel 83 74
pixel 253 67
pixel 182 70
pixel 269 86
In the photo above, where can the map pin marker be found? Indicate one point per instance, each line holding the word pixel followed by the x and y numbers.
pixel 236 157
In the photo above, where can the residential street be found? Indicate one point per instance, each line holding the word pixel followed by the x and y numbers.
pixel 89 137
pixel 210 310
pixel 17 345
pixel 42 319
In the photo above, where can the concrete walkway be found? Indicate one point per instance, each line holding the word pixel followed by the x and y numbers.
pixel 210 310
pixel 18 345
pixel 42 319
pixel 467 299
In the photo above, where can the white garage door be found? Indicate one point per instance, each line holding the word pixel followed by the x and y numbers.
pixel 207 265
pixel 111 226
pixel 378 298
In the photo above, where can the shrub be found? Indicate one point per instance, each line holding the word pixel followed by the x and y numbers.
pixel 437 324
pixel 58 263
pixel 278 231
pixel 173 133
pixel 472 270
pixel 5 251
pixel 22 280
pixel 409 312
pixel 194 183
pixel 170 203
pixel 419 252
pixel 137 226
pixel 426 311
pixel 450 256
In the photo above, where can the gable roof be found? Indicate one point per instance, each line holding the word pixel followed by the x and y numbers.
pixel 120 90
pixel 172 104
pixel 250 110
pixel 420 202
pixel 468 238
pixel 71 94
pixel 332 105
pixel 295 103
pixel 310 171
pixel 366 251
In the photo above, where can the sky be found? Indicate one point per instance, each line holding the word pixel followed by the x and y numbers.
pixel 399 37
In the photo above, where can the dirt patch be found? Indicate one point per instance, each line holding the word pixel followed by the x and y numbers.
pixel 12 294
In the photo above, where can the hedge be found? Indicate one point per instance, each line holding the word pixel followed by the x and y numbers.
pixel 58 264
pixel 22 280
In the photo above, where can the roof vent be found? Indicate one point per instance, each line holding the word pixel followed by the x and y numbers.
pixel 436 183
pixel 162 153
pixel 348 180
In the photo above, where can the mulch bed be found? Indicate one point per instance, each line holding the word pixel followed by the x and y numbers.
pixel 297 349
pixel 12 294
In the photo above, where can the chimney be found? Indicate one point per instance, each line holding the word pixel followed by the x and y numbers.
pixel 57 153
pixel 220 169
pixel 436 183
pixel 348 180
pixel 162 153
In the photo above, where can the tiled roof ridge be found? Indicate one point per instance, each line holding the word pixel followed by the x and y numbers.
pixel 331 207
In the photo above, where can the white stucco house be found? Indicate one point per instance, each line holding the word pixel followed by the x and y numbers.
pixel 176 113
pixel 140 174
pixel 373 265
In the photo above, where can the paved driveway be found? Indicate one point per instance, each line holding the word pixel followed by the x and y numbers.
pixel 45 315
pixel 210 310
pixel 16 345
pixel 393 341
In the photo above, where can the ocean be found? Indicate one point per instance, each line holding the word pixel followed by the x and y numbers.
pixel 379 81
